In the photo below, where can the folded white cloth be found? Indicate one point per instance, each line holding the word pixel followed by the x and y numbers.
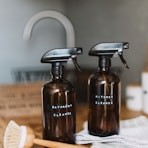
pixel 133 134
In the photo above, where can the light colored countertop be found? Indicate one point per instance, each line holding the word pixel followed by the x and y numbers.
pixel 82 111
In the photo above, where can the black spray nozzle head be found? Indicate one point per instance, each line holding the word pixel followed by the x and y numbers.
pixel 60 55
pixel 110 50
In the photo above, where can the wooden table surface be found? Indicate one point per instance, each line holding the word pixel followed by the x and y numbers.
pixel 82 112
pixel 81 117
pixel 12 99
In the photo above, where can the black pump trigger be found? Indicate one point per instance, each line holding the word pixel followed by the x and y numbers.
pixel 76 64
pixel 123 60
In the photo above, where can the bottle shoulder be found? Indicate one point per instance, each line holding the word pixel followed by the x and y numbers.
pixel 58 84
pixel 107 76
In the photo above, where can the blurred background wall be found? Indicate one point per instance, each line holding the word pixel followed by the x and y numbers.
pixel 17 53
pixel 117 20
pixel 94 21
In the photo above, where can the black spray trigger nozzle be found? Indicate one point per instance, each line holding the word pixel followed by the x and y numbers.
pixel 110 50
pixel 125 45
pixel 62 55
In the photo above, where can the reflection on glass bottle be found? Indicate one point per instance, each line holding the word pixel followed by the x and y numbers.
pixel 59 109
pixel 104 91
pixel 104 98
pixel 59 98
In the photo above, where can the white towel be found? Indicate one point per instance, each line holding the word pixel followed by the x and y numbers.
pixel 133 134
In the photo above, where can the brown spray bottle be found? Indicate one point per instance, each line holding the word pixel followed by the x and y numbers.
pixel 104 91
pixel 58 97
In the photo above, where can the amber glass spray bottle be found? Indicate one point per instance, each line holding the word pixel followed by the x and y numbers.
pixel 104 91
pixel 58 98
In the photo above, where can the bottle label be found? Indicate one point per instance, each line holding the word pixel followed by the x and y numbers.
pixel 104 93
pixel 103 100
pixel 60 110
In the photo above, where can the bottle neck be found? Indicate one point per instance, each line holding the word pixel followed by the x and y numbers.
pixel 104 63
pixel 104 69
pixel 56 71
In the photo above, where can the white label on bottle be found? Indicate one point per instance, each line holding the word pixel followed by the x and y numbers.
pixel 107 97
pixel 61 114
pixel 60 110
pixel 103 100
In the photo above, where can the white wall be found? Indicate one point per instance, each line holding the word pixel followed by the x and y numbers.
pixel 47 34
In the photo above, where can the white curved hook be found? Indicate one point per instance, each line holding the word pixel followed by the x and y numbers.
pixel 70 34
